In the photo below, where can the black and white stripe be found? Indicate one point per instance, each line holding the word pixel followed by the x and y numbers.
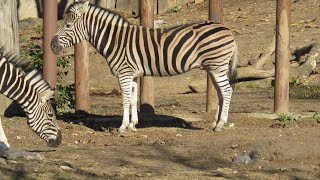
pixel 25 85
pixel 132 51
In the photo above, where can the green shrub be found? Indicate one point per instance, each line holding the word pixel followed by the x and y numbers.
pixel 316 117
pixel 287 118
pixel 64 101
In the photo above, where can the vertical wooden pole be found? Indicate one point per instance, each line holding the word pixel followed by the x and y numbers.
pixel 81 76
pixel 216 15
pixel 9 39
pixel 281 99
pixel 50 17
pixel 147 83
pixel 81 66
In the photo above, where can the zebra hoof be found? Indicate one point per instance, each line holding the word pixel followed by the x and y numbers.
pixel 121 130
pixel 218 128
pixel 132 128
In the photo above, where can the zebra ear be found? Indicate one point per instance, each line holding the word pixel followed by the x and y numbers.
pixel 44 96
pixel 85 6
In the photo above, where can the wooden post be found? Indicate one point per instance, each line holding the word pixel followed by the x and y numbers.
pixel 81 76
pixel 50 17
pixel 81 66
pixel 215 14
pixel 147 83
pixel 9 39
pixel 281 98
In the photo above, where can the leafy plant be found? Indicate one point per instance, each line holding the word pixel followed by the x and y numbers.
pixel 287 118
pixel 305 92
pixel 34 53
pixel 64 101
pixel 316 117
pixel 294 81
pixel 175 9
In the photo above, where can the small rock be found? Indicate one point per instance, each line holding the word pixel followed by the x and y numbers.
pixel 77 141
pixel 234 146
pixel 231 125
pixel 226 171
pixel 247 158
pixel 14 154
pixel 18 137
pixel 179 135
pixel 2 161
pixel 244 159
pixel 91 141
pixel 66 168
pixel 12 162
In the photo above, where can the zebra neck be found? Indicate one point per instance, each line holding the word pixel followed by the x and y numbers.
pixel 16 85
pixel 106 31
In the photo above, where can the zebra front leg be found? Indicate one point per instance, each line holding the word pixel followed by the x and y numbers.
pixel 134 109
pixel 125 82
pixel 3 139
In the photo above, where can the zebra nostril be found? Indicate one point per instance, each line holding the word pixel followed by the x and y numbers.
pixel 55 47
pixel 55 142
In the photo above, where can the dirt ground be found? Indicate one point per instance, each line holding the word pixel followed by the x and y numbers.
pixel 177 142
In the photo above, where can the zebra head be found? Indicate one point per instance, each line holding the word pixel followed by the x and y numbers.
pixel 73 30
pixel 42 119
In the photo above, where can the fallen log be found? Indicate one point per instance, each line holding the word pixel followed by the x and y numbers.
pixel 251 73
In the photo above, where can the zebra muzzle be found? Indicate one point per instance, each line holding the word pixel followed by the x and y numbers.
pixel 55 47
pixel 55 142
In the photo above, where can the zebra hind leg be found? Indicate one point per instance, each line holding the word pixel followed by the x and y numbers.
pixel 224 91
pixel 134 109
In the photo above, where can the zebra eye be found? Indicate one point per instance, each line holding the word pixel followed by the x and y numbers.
pixel 68 25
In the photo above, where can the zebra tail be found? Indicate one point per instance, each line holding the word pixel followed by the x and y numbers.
pixel 233 68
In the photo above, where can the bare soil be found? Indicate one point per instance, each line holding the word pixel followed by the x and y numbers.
pixel 177 142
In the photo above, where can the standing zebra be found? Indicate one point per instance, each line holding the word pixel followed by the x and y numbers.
pixel 132 51
pixel 25 85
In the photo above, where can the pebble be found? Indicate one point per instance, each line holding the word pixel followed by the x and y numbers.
pixel 3 161
pixel 231 125
pixel 144 136
pixel 234 146
pixel 18 137
pixel 247 158
pixel 226 171
pixel 66 168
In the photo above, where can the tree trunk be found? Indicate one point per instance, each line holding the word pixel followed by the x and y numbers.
pixel 9 40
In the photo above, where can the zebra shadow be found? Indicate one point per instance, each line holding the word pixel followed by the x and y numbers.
pixel 103 123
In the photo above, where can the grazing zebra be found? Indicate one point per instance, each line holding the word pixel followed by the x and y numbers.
pixel 132 51
pixel 25 85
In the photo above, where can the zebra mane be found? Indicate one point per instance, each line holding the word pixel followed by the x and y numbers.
pixel 24 67
pixel 74 6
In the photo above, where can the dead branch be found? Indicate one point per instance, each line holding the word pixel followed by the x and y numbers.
pixel 247 73
pixel 266 55
pixel 311 61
